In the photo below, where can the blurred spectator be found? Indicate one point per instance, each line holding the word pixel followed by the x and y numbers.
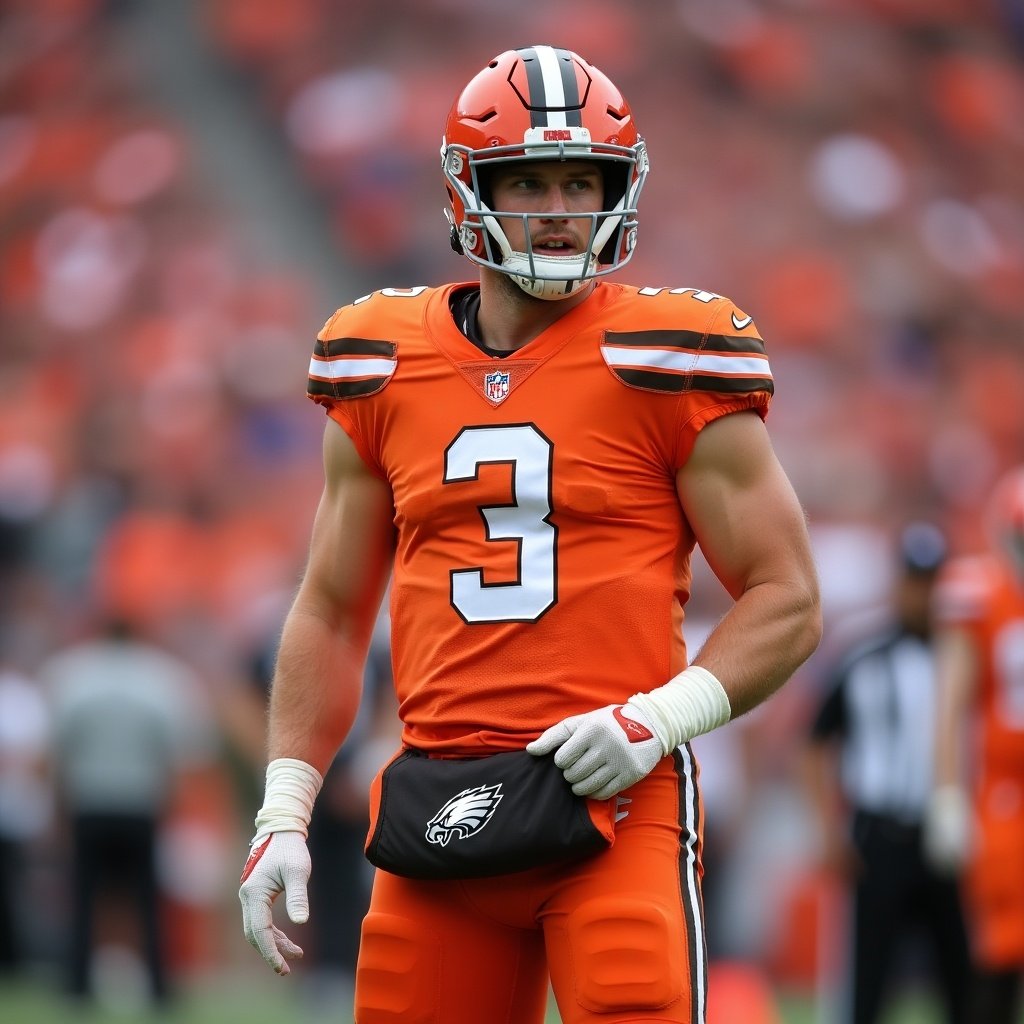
pixel 878 717
pixel 128 724
pixel 976 815
pixel 26 805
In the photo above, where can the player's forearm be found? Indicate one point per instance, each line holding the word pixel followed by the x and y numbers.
pixel 770 631
pixel 316 690
pixel 947 767
pixel 956 680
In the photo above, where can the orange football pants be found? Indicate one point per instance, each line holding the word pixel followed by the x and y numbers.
pixel 995 879
pixel 620 933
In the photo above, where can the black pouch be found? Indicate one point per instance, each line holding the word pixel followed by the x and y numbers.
pixel 443 818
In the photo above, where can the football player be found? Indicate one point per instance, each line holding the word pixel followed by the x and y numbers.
pixel 976 818
pixel 533 455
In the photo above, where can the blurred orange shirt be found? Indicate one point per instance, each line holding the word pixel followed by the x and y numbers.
pixel 982 596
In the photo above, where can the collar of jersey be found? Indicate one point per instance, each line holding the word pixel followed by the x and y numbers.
pixel 442 330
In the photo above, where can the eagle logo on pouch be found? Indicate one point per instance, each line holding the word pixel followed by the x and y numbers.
pixel 496 386
pixel 464 815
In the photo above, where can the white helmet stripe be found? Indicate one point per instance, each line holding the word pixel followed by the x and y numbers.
pixel 554 99
pixel 554 91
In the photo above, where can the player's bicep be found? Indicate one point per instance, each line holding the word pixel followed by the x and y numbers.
pixel 742 508
pixel 352 538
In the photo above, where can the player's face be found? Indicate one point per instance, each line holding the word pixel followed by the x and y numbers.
pixel 551 190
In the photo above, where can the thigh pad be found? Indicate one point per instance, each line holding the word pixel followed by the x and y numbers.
pixel 393 973
pixel 628 954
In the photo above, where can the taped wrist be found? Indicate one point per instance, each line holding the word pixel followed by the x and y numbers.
pixel 690 704
pixel 291 789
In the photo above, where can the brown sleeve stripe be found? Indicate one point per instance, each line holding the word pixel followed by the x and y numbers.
pixel 688 341
pixel 688 365
pixel 350 367
pixel 354 347
pixel 677 383
pixel 346 389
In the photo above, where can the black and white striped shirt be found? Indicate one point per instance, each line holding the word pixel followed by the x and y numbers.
pixel 881 706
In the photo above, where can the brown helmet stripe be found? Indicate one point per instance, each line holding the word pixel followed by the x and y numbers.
pixel 554 99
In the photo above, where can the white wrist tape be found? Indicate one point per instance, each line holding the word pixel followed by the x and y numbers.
pixel 689 704
pixel 292 787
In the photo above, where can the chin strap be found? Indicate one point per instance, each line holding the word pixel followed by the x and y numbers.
pixel 453 234
pixel 553 277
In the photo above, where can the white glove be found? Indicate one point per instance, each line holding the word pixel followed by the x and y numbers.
pixel 602 752
pixel 277 863
pixel 279 859
pixel 946 832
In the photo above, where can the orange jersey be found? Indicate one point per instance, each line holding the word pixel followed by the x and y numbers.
pixel 982 596
pixel 543 560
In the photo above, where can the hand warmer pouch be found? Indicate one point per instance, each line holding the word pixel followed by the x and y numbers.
pixel 445 818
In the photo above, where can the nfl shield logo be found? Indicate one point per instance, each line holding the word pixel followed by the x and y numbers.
pixel 496 386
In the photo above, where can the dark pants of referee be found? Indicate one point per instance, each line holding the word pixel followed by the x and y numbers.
pixel 897 895
pixel 10 951
pixel 337 890
pixel 115 854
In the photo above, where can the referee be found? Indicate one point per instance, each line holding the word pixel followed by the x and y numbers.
pixel 872 741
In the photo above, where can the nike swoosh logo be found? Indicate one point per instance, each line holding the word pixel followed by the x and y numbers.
pixel 740 324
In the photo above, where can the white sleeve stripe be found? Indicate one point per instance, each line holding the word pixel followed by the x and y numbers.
pixel 346 369
pixel 751 365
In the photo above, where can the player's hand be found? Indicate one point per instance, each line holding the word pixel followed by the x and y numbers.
pixel 277 863
pixel 602 752
pixel 946 833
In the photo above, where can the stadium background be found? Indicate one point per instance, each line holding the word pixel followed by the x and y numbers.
pixel 188 189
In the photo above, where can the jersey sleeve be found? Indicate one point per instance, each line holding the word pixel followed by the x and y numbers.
pixel 706 352
pixel 730 373
pixel 722 354
pixel 346 367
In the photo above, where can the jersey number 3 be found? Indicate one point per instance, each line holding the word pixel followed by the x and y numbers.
pixel 526 521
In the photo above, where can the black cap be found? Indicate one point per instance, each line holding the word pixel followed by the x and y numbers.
pixel 922 547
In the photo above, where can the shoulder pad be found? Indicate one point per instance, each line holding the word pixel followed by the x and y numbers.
pixel 692 340
pixel 349 360
pixel 356 352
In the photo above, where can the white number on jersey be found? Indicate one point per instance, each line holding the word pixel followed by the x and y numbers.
pixel 525 521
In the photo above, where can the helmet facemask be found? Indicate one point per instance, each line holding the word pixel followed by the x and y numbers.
pixel 611 234
pixel 542 135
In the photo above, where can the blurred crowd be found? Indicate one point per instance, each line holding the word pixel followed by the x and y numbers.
pixel 848 171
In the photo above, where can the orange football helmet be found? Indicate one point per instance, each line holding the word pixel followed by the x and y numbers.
pixel 542 103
